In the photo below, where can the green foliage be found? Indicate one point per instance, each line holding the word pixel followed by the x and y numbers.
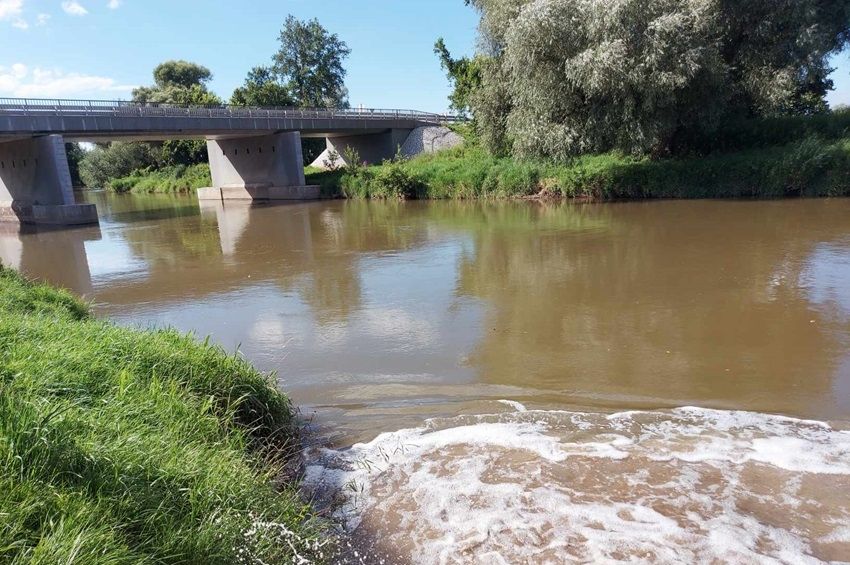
pixel 390 180
pixel 567 77
pixel 121 446
pixel 181 73
pixel 262 88
pixel 351 158
pixel 171 179
pixel 463 73
pixel 809 166
pixel 310 62
pixel 327 180
pixel 75 154
pixel 739 134
pixel 182 152
pixel 178 82
pixel 106 162
pixel 311 148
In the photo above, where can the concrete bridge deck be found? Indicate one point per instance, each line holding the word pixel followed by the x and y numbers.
pixel 255 153
pixel 93 120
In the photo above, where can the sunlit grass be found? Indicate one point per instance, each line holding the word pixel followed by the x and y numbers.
pixel 123 446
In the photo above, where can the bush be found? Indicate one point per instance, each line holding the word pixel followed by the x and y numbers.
pixel 175 179
pixel 393 181
pixel 105 163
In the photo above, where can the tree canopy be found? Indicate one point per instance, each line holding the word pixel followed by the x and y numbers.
pixel 178 82
pixel 262 88
pixel 464 74
pixel 563 77
pixel 310 62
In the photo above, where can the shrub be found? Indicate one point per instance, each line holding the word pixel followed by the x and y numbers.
pixel 176 179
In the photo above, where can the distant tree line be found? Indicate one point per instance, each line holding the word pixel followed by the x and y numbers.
pixel 558 78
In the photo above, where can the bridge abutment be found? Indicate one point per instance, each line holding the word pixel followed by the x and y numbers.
pixel 268 167
pixel 371 148
pixel 35 184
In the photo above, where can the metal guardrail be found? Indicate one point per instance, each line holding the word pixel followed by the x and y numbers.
pixel 118 108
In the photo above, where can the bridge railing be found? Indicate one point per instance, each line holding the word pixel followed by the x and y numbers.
pixel 46 107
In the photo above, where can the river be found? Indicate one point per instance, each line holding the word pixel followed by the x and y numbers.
pixel 513 382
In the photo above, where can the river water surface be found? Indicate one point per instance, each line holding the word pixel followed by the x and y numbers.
pixel 521 382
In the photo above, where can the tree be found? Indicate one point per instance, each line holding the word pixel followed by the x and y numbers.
pixel 115 160
pixel 181 74
pixel 75 154
pixel 463 73
pixel 310 63
pixel 179 82
pixel 565 77
pixel 262 88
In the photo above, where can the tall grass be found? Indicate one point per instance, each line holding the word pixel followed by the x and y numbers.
pixel 174 179
pixel 125 446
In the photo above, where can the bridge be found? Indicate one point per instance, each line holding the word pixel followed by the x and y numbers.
pixel 254 153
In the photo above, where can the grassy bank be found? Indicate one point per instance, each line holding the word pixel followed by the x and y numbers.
pixel 169 180
pixel 811 166
pixel 123 446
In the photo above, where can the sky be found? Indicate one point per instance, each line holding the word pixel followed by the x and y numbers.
pixel 102 49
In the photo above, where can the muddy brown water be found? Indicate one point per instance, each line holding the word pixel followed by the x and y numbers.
pixel 484 330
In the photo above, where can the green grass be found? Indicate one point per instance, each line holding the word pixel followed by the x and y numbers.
pixel 176 179
pixel 126 446
pixel 327 180
pixel 811 166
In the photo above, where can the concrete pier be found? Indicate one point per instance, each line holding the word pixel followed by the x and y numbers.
pixel 268 167
pixel 35 184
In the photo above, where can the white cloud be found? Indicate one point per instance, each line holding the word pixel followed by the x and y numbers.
pixel 10 10
pixel 19 81
pixel 74 8
pixel 114 4
pixel 41 19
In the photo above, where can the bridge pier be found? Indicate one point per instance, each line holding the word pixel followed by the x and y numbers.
pixel 35 184
pixel 268 167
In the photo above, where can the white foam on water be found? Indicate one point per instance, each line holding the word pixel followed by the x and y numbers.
pixel 686 485
pixel 517 406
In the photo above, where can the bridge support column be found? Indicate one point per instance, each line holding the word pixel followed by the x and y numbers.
pixel 372 148
pixel 267 167
pixel 35 184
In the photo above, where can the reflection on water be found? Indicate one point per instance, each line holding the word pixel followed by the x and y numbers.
pixel 377 315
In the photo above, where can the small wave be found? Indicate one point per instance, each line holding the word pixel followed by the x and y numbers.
pixel 689 484
pixel 517 406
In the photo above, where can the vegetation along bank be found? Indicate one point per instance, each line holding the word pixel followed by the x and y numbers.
pixel 124 446
pixel 781 157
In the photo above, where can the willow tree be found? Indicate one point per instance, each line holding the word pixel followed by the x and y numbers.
pixel 573 76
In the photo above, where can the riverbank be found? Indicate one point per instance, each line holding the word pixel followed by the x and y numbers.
pixel 812 166
pixel 168 180
pixel 126 446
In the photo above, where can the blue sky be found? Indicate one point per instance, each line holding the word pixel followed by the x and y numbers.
pixel 103 48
